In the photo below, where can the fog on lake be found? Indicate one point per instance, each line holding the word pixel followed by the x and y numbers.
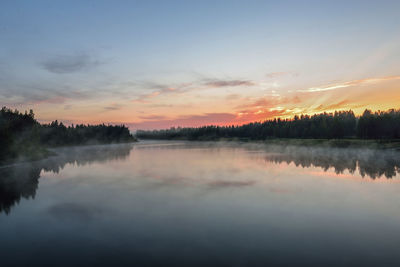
pixel 175 203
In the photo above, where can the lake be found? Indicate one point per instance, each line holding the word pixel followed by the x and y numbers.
pixel 170 203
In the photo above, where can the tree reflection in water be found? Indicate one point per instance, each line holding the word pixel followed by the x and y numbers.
pixel 368 162
pixel 21 180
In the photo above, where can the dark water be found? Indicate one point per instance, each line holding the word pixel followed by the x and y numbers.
pixel 202 204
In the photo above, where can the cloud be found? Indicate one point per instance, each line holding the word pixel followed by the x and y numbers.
pixel 67 107
pixel 185 87
pixel 327 88
pixel 349 84
pixel 34 89
pixel 338 105
pixel 228 83
pixel 273 75
pixel 344 104
pixel 153 117
pixel 260 102
pixel 232 96
pixel 33 94
pixel 269 102
pixel 62 64
pixel 261 114
pixel 113 106
pixel 162 90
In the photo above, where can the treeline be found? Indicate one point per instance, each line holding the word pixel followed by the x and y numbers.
pixel 337 125
pixel 57 134
pixel 22 135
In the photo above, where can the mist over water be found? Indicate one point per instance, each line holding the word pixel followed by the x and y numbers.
pixel 202 204
pixel 367 162
pixel 21 180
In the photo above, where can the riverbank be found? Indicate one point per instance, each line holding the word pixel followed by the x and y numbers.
pixel 339 143
pixel 345 143
pixel 23 138
pixel 35 153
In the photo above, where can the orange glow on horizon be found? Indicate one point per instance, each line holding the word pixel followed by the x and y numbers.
pixel 193 107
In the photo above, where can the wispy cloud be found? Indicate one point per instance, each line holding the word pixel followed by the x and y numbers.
pixel 273 75
pixel 334 106
pixel 348 84
pixel 228 83
pixel 261 114
pixel 31 94
pixel 113 106
pixel 232 96
pixel 259 102
pixel 188 87
pixel 268 102
pixel 62 64
pixel 153 117
pixel 144 98
pixel 341 105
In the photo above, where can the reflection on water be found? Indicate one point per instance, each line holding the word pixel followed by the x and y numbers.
pixel 201 204
pixel 16 183
pixel 21 180
pixel 370 163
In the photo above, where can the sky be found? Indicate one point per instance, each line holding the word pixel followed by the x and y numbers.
pixel 158 64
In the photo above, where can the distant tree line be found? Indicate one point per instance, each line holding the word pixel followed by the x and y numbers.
pixel 337 125
pixel 22 135
pixel 57 134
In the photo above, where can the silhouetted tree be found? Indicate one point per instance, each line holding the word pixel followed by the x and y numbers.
pixel 22 135
pixel 379 124
pixel 337 125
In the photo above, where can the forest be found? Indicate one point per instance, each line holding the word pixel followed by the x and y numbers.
pixel 21 135
pixel 337 125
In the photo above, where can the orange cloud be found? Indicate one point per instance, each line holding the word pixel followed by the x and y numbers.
pixel 337 105
pixel 269 102
pixel 348 84
pixel 246 116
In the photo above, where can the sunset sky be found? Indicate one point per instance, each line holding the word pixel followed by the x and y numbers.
pixel 157 64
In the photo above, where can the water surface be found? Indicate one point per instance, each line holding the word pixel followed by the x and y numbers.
pixel 202 204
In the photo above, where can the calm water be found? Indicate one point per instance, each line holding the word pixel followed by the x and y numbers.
pixel 202 204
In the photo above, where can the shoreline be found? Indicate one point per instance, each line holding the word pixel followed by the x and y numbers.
pixel 44 152
pixel 378 144
pixel 334 143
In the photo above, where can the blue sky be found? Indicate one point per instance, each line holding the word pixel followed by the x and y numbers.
pixel 116 61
